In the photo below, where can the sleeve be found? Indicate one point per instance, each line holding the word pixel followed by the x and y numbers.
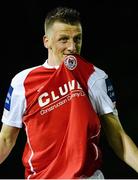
pixel 14 106
pixel 101 93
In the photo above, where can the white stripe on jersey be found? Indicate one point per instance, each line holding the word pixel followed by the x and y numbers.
pixel 31 155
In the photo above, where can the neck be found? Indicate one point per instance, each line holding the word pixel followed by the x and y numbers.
pixel 52 60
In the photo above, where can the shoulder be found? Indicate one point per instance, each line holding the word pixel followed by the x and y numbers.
pixel 21 76
pixel 98 74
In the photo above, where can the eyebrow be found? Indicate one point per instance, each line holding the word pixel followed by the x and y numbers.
pixel 63 35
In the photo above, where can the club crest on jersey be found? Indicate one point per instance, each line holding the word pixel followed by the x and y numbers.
pixel 70 62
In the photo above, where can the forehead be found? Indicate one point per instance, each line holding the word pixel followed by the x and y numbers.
pixel 63 28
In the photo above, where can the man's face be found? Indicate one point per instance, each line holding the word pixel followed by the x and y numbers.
pixel 63 39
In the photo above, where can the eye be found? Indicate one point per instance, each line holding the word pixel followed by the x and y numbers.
pixel 63 39
pixel 77 39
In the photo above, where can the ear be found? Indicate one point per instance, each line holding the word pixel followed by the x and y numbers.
pixel 45 41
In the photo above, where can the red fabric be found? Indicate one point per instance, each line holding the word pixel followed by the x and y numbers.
pixel 62 127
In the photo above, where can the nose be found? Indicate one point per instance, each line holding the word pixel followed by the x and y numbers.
pixel 71 47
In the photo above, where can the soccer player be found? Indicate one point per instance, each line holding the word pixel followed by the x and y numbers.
pixel 62 104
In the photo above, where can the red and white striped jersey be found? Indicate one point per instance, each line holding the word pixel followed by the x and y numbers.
pixel 59 107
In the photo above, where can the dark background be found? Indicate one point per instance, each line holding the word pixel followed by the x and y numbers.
pixel 110 41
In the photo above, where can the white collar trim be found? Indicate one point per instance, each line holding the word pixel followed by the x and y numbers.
pixel 49 66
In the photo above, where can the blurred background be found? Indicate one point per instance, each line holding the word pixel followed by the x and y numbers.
pixel 110 41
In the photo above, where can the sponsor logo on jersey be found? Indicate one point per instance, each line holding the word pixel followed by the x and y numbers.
pixel 49 97
pixel 8 98
pixel 70 62
pixel 110 90
pixel 63 94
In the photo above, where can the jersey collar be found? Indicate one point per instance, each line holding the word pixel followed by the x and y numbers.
pixel 49 66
